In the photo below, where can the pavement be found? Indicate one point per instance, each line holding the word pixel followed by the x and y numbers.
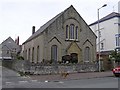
pixel 72 76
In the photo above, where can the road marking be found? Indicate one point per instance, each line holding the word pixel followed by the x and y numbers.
pixel 9 83
pixel 34 80
pixel 61 82
pixel 54 81
pixel 23 82
pixel 47 81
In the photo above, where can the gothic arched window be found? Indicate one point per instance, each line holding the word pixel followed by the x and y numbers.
pixel 67 32
pixel 38 53
pixel 29 54
pixel 76 32
pixel 54 53
pixel 71 31
pixel 87 54
pixel 33 54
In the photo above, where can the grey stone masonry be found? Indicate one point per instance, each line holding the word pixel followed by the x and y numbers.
pixel 41 69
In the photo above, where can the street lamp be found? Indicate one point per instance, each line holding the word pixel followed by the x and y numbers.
pixel 99 37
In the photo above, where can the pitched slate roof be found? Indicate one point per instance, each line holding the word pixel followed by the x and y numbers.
pixel 42 28
pixel 111 15
pixel 9 43
pixel 8 39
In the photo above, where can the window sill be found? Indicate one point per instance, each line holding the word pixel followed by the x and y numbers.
pixel 75 40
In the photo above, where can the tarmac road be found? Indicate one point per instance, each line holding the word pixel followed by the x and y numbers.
pixel 11 79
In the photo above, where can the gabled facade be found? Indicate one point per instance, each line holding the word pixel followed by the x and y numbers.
pixel 65 34
pixel 110 31
pixel 109 37
pixel 9 49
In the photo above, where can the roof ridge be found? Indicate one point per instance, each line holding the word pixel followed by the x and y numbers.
pixel 7 39
pixel 50 20
pixel 44 26
pixel 107 17
pixel 56 15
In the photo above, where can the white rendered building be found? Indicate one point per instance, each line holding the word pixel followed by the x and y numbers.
pixel 109 32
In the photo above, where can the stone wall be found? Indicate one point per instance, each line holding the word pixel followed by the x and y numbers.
pixel 40 69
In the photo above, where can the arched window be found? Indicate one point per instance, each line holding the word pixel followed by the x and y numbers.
pixel 76 32
pixel 87 54
pixel 23 54
pixel 26 54
pixel 67 32
pixel 71 31
pixel 54 53
pixel 33 54
pixel 38 53
pixel 29 54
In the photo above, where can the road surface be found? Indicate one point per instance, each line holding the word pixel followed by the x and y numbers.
pixel 11 79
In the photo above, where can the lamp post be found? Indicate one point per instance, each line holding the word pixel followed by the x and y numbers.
pixel 99 37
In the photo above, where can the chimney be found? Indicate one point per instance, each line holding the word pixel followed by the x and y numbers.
pixel 33 30
pixel 17 40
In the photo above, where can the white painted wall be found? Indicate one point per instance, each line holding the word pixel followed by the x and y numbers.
pixel 109 29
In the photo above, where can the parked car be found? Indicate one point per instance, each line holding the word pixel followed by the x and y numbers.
pixel 116 71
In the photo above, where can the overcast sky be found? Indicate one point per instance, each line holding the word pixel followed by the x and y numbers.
pixel 18 16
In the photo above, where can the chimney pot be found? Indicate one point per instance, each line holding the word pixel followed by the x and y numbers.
pixel 33 29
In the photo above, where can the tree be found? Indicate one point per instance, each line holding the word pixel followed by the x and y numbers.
pixel 115 56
